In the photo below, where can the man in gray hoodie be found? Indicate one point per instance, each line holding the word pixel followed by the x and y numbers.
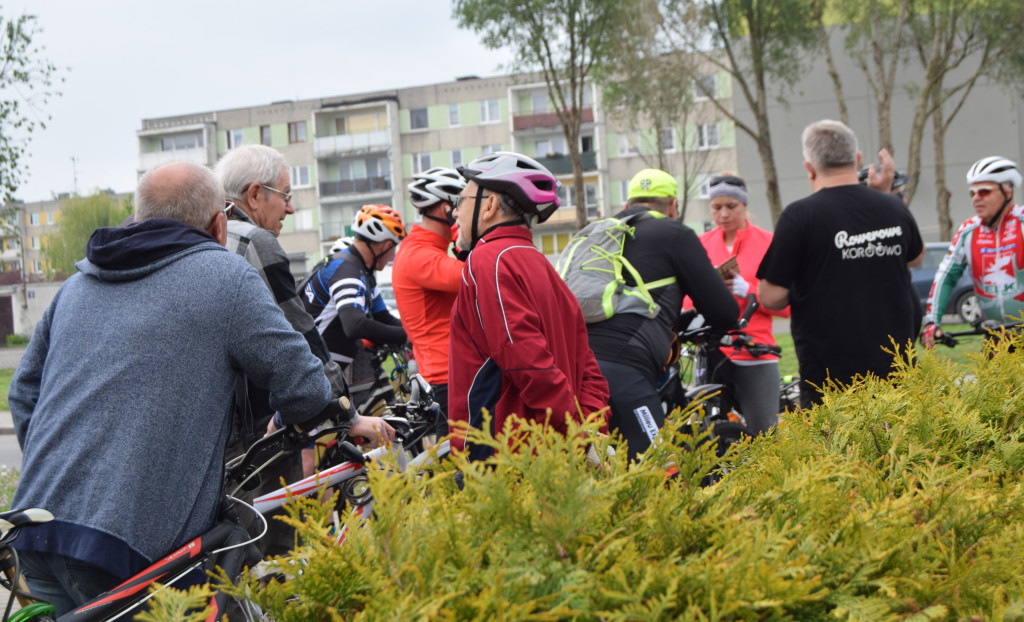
pixel 122 401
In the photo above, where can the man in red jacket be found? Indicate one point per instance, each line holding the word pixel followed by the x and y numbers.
pixel 519 346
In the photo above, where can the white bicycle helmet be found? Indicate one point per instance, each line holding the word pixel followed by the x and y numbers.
pixel 527 181
pixel 434 186
pixel 995 169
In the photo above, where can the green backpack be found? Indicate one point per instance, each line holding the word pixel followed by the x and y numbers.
pixel 592 266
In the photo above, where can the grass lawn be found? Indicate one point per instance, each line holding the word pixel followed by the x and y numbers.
pixel 788 365
pixel 5 386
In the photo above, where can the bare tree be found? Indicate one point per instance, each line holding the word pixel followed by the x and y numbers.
pixel 561 39
pixel 754 42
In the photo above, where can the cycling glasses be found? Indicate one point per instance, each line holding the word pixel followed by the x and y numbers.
pixel 732 180
pixel 982 192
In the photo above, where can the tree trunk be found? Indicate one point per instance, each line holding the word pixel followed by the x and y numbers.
pixel 577 171
pixel 837 83
pixel 942 193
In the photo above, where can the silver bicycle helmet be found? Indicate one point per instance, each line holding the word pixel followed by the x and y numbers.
pixel 995 169
pixel 434 186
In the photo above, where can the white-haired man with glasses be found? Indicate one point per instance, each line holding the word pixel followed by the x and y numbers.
pixel 257 185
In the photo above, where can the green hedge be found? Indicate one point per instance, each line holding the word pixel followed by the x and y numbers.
pixel 893 500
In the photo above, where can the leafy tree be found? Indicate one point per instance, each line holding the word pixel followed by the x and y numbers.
pixel 79 217
pixel 562 39
pixel 756 42
pixel 645 85
pixel 26 85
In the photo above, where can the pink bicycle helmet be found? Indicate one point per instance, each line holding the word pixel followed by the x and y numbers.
pixel 531 186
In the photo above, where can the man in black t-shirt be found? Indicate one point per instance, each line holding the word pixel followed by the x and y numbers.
pixel 632 350
pixel 839 258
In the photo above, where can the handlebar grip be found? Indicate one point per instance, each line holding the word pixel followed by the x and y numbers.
pixel 752 306
pixel 947 340
pixel 336 410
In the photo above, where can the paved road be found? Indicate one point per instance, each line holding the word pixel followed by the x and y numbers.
pixel 9 357
pixel 10 451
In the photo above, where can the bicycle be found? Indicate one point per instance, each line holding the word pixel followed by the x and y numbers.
pixel 377 388
pixel 227 544
pixel 702 359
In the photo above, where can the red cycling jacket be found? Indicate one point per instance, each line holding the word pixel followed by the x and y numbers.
pixel 518 341
pixel 749 247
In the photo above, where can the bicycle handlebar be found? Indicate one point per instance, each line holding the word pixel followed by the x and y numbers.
pixel 978 327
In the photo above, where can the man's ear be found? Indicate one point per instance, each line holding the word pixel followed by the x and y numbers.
pixel 219 228
pixel 859 160
pixel 253 192
pixel 811 173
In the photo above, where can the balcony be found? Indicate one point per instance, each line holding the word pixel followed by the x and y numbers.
pixel 562 164
pixel 149 161
pixel 346 144
pixel 544 120
pixel 334 229
pixel 344 187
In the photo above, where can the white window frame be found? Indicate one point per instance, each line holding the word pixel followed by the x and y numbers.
pixel 707 136
pixel 624 190
pixel 704 185
pixel 490 111
pixel 489 149
pixel 420 162
pixel 453 115
pixel 303 220
pixel 235 138
pixel 543 97
pixel 297 175
pixel 456 158
pixel 663 133
pixel 49 218
pixel 33 218
pixel 628 143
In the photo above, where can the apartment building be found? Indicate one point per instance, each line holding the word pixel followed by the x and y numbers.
pixel 349 150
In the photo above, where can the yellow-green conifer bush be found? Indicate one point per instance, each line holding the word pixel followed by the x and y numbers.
pixel 896 500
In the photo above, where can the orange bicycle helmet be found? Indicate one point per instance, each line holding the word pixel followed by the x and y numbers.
pixel 378 223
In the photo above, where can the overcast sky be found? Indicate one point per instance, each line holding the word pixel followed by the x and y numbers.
pixel 129 60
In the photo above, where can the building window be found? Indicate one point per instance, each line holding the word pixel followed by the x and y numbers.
pixel 300 176
pixel 178 142
pixel 539 101
pixel 341 126
pixel 420 162
pixel 707 136
pixel 666 139
pixel 567 198
pixel 456 158
pixel 704 87
pixel 551 147
pixel 49 218
pixel 624 190
pixel 297 132
pixel 33 242
pixel 303 220
pixel 453 115
pixel 553 243
pixel 418 119
pixel 265 135
pixel 628 143
pixel 235 139
pixel 489 149
pixel 703 185
pixel 586 144
pixel 490 111
pixel 33 218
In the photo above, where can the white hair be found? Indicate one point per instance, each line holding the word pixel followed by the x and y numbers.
pixel 250 164
pixel 829 144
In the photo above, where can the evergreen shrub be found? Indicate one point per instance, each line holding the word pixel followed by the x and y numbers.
pixel 893 500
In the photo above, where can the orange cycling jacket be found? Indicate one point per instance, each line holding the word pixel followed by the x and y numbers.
pixel 426 279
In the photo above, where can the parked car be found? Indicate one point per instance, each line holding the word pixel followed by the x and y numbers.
pixel 962 302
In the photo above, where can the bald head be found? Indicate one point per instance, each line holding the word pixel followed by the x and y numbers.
pixel 184 191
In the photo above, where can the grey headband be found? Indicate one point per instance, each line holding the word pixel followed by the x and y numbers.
pixel 723 189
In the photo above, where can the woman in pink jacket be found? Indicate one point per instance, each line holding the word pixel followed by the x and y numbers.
pixel 755 380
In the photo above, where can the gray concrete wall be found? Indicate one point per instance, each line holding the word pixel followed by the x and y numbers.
pixel 990 123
